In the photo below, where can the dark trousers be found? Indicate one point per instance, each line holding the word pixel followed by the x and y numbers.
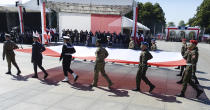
pixel 141 75
pixel 182 69
pixel 66 65
pixel 38 64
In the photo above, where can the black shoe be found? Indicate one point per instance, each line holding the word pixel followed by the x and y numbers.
pixel 75 79
pixel 196 82
pixel 45 76
pixel 93 85
pixel 136 89
pixel 35 76
pixel 179 75
pixel 181 95
pixel 18 73
pixel 8 72
pixel 199 92
pixel 151 88
pixel 179 82
pixel 178 67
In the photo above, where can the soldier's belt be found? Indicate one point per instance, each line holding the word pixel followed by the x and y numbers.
pixel 67 54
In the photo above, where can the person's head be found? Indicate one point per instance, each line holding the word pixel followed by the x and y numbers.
pixel 193 44
pixel 144 45
pixel 153 41
pixel 131 38
pixel 35 38
pixel 98 43
pixel 184 41
pixel 66 39
pixel 7 36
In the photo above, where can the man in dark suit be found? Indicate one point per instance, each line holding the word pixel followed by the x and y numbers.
pixel 36 59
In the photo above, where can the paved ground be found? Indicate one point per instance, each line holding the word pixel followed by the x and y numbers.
pixel 20 93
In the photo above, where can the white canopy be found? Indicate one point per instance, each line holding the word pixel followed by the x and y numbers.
pixel 116 7
pixel 128 23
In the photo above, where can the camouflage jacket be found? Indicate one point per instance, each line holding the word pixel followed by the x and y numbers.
pixel 144 57
pixel 191 56
pixel 8 48
pixel 101 53
pixel 183 49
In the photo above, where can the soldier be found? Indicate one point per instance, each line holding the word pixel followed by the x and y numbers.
pixel 131 44
pixel 194 66
pixel 8 51
pixel 66 56
pixel 141 74
pixel 154 46
pixel 183 50
pixel 191 57
pixel 101 54
pixel 36 58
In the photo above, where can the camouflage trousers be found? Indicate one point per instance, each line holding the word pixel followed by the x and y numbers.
pixel 11 60
pixel 99 67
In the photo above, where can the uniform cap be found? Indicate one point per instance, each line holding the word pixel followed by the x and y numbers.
pixel 145 43
pixel 195 42
pixel 108 36
pixel 7 35
pixel 66 37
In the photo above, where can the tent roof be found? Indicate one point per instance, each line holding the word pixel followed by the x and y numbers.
pixel 128 23
pixel 116 7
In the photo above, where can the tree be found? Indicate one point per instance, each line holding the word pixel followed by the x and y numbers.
pixel 202 17
pixel 181 23
pixel 151 16
pixel 171 24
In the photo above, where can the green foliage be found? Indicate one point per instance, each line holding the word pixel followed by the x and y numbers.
pixel 181 23
pixel 202 17
pixel 171 24
pixel 151 16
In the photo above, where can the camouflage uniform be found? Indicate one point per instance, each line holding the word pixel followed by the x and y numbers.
pixel 101 54
pixel 153 47
pixel 141 74
pixel 194 66
pixel 191 57
pixel 8 51
pixel 183 50
pixel 131 45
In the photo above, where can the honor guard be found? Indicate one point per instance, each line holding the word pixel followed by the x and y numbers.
pixel 141 74
pixel 191 58
pixel 36 58
pixel 183 50
pixel 66 56
pixel 101 54
pixel 8 51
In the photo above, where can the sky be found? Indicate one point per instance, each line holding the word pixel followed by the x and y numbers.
pixel 177 10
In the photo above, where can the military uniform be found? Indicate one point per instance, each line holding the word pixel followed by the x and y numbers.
pixel 141 73
pixel 190 57
pixel 8 51
pixel 131 45
pixel 36 59
pixel 153 47
pixel 194 66
pixel 101 54
pixel 183 50
pixel 67 50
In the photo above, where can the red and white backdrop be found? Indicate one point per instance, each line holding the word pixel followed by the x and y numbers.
pixel 93 22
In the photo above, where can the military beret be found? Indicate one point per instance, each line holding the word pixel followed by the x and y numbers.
pixel 145 43
pixel 195 42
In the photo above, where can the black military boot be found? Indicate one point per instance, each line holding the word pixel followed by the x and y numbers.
pixel 151 88
pixel 9 72
pixel 181 94
pixel 179 82
pixel 136 89
pixel 199 92
pixel 45 76
pixel 18 73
